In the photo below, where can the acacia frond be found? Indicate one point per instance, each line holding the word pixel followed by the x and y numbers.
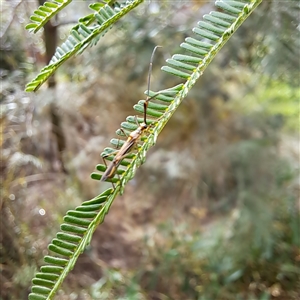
pixel 211 36
pixel 82 35
pixel 44 13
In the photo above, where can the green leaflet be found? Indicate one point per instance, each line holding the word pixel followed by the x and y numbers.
pixel 79 224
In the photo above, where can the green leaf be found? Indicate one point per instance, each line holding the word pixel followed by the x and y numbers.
pixel 44 13
pixel 96 209
pixel 81 36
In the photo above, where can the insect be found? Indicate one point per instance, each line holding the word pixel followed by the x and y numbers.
pixel 133 136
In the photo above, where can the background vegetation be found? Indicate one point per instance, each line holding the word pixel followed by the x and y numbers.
pixel 213 213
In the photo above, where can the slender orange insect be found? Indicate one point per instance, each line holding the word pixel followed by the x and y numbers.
pixel 133 136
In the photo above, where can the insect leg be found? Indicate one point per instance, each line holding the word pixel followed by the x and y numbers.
pixel 104 176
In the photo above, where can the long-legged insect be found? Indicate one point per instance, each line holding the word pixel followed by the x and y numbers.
pixel 133 136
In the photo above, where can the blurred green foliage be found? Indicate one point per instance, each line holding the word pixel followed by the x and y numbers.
pixel 252 253
pixel 275 100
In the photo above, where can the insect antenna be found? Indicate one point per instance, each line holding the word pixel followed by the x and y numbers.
pixel 148 88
